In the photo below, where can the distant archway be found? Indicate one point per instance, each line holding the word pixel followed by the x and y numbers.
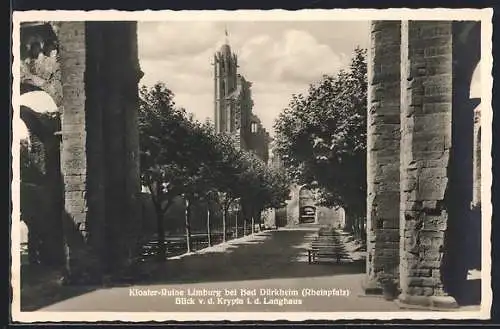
pixel 307 206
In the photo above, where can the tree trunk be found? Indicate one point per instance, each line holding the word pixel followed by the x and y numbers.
pixel 348 227
pixel 160 232
pixel 363 229
pixel 260 220
pixel 208 228
pixel 253 225
pixel 358 225
pixel 188 224
pixel 224 213
pixel 236 224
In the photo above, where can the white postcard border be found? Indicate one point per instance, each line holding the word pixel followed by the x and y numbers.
pixel 483 15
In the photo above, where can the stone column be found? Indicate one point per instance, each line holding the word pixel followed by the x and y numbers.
pixel 383 152
pixel 473 230
pixel 476 194
pixel 100 71
pixel 426 105
pixel 82 259
pixel 116 77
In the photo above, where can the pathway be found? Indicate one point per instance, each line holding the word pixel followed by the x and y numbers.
pixel 272 260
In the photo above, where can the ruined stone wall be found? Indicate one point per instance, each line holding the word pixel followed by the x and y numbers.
pixel 426 104
pixel 74 137
pixel 100 72
pixel 439 177
pixel 40 70
pixel 476 196
pixel 269 218
pixel 475 93
pixel 383 149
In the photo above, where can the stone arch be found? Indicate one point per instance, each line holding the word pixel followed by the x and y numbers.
pixel 41 187
pixel 460 233
pixel 475 82
pixel 307 205
pixel 40 67
pixel 39 113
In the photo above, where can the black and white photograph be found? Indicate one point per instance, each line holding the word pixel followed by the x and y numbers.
pixel 251 165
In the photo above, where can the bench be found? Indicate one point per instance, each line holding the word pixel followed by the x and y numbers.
pixel 326 245
pixel 316 253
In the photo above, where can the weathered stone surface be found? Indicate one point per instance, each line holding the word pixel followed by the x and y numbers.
pixel 383 149
pixel 100 155
pixel 476 196
pixel 426 58
pixel 74 138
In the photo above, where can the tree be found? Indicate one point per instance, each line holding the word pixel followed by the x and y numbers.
pixel 264 187
pixel 227 169
pixel 321 137
pixel 174 156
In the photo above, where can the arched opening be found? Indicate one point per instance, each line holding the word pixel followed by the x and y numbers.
pixel 38 101
pixel 40 197
pixel 462 230
pixel 307 206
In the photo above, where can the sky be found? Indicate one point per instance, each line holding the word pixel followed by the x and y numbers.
pixel 280 58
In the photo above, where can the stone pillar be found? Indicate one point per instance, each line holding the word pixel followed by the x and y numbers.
pixel 100 71
pixel 473 230
pixel 116 74
pixel 426 105
pixel 476 193
pixel 383 152
pixel 74 156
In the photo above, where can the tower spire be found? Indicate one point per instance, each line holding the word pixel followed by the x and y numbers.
pixel 226 34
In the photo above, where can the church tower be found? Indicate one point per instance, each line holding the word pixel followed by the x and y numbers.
pixel 225 84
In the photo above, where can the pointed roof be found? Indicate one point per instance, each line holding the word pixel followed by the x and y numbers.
pixel 226 49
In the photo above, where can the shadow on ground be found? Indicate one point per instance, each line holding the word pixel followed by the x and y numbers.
pixel 268 255
pixel 41 286
pixel 280 254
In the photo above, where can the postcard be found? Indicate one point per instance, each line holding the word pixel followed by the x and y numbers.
pixel 251 165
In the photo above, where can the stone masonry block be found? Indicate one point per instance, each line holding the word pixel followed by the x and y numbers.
pixel 435 223
pixel 431 108
pixel 431 264
pixel 431 234
pixel 431 173
pixel 432 188
pixel 432 121
pixel 433 255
